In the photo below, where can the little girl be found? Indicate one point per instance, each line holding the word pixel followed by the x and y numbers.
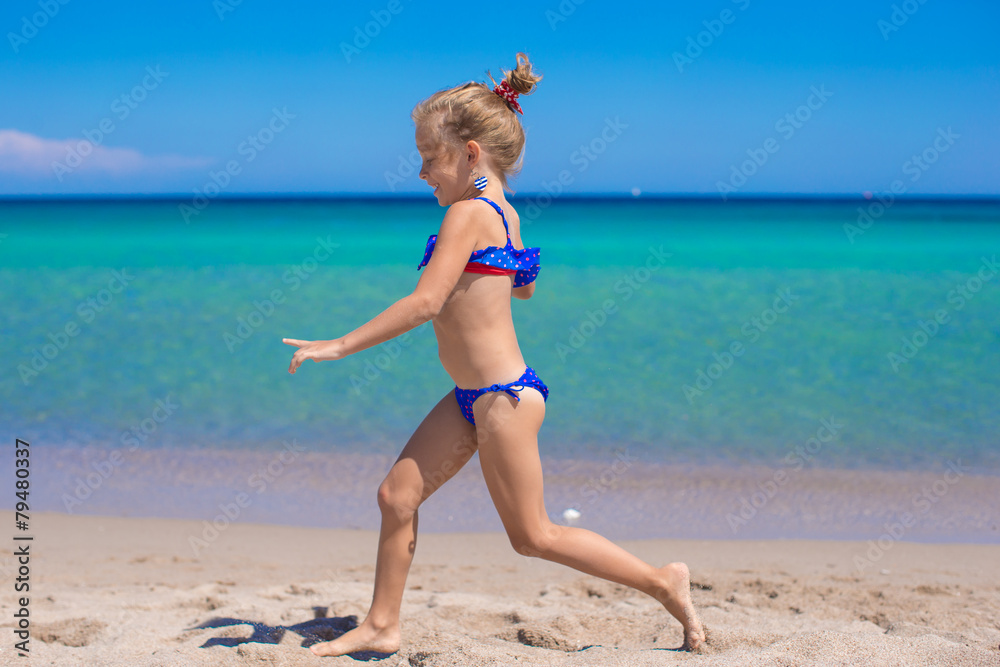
pixel 471 141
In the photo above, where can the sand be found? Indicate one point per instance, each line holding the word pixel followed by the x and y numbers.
pixel 134 591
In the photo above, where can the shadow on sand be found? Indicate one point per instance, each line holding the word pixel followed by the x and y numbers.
pixel 319 629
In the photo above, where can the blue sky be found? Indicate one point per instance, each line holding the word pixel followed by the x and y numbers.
pixel 764 98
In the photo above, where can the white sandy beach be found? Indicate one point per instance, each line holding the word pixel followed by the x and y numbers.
pixel 128 591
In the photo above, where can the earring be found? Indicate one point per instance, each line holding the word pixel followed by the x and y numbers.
pixel 480 182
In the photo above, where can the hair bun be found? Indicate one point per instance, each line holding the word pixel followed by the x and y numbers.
pixel 521 79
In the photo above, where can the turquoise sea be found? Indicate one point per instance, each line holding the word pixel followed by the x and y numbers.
pixel 686 330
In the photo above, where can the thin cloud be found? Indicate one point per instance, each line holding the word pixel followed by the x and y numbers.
pixel 29 155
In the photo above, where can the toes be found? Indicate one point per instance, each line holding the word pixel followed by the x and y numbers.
pixel 320 649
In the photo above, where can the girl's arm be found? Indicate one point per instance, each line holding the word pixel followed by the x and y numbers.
pixel 524 291
pixel 456 241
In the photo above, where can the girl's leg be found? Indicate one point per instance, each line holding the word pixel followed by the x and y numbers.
pixel 513 473
pixel 441 445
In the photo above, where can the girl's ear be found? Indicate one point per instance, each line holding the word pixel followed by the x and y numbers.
pixel 472 156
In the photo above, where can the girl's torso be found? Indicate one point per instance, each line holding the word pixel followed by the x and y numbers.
pixel 477 344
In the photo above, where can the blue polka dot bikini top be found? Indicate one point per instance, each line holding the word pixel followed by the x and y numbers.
pixel 523 264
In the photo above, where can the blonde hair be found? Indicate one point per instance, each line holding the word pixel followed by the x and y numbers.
pixel 473 112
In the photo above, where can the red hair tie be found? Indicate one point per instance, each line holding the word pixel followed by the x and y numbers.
pixel 505 91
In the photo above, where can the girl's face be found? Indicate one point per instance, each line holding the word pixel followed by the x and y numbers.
pixel 442 168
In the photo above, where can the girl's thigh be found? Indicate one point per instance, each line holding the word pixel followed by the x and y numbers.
pixel 439 447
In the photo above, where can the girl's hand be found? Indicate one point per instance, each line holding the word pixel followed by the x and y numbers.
pixel 317 350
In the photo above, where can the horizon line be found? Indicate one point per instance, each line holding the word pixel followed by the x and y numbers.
pixel 619 196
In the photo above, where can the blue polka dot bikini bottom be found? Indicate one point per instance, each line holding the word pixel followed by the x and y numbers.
pixel 466 397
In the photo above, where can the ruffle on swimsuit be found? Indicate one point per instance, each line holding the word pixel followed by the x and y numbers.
pixel 524 264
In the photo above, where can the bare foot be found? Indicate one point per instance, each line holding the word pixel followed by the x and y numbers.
pixel 675 596
pixel 362 638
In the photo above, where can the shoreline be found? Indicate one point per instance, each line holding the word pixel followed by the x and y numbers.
pixel 113 590
pixel 622 497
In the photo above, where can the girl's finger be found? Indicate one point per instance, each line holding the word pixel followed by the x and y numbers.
pixel 295 342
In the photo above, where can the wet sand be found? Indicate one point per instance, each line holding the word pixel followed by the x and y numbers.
pixel 623 495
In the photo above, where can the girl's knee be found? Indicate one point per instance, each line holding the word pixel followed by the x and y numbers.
pixel 399 500
pixel 536 542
